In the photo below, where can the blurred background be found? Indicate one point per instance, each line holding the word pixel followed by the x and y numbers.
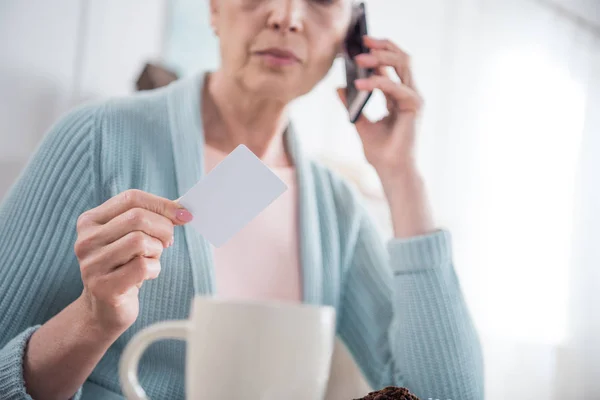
pixel 509 145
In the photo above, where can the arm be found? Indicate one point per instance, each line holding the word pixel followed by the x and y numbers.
pixel 59 253
pixel 403 315
pixel 409 208
pixel 38 271
pixel 404 319
pixel 58 360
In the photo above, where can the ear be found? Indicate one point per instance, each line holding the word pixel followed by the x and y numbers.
pixel 214 14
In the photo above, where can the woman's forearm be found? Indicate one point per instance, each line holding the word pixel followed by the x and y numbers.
pixel 62 353
pixel 409 206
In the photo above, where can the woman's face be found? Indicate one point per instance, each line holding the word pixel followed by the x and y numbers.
pixel 279 48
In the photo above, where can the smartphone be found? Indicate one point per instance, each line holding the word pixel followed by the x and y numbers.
pixel 356 99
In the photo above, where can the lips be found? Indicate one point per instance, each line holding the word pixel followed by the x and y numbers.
pixel 280 53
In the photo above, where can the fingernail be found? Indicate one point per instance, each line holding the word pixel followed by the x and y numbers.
pixel 184 215
pixel 154 268
pixel 172 241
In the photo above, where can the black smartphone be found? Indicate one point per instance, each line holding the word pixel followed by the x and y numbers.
pixel 356 99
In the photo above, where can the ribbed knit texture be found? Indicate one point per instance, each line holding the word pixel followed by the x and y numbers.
pixel 400 310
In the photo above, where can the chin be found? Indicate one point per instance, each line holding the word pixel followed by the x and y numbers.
pixel 279 85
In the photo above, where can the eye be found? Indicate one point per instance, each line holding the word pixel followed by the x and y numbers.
pixel 324 2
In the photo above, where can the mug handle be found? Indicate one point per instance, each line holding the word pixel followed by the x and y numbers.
pixel 128 366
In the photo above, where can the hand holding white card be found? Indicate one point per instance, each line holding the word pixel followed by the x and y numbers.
pixel 238 189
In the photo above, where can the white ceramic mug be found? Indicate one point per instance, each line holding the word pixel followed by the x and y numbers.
pixel 244 350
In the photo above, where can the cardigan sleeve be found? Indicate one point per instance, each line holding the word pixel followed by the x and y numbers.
pixel 39 273
pixel 404 319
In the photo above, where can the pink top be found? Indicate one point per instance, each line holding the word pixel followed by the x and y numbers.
pixel 262 261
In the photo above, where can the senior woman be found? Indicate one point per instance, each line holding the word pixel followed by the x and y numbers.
pixel 94 248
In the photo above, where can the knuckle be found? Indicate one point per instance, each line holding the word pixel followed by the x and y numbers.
pixel 85 271
pixel 160 207
pixel 390 45
pixel 126 197
pixel 82 246
pixel 78 248
pixel 141 266
pixel 138 241
pixel 135 217
pixel 84 220
pixel 86 268
pixel 131 196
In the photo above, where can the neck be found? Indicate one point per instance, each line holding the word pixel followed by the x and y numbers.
pixel 232 116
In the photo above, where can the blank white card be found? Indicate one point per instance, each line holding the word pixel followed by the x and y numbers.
pixel 225 200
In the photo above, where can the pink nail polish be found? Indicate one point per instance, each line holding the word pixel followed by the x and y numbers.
pixel 184 215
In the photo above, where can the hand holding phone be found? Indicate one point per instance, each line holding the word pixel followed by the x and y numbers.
pixel 356 99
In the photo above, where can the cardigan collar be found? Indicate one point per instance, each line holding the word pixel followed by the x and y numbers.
pixel 184 105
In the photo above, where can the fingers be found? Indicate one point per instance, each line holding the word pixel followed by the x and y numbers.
pixel 380 59
pixel 386 53
pixel 105 259
pixel 134 198
pixel 404 97
pixel 110 287
pixel 342 95
pixel 132 274
pixel 381 44
pixel 135 219
pixel 132 225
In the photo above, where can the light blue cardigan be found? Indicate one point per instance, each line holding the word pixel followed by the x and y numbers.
pixel 400 310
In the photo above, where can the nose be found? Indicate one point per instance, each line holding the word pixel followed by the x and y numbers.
pixel 286 15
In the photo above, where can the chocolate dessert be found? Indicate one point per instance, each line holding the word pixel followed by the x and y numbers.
pixel 390 393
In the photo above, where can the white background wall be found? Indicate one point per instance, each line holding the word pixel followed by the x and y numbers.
pixel 55 54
